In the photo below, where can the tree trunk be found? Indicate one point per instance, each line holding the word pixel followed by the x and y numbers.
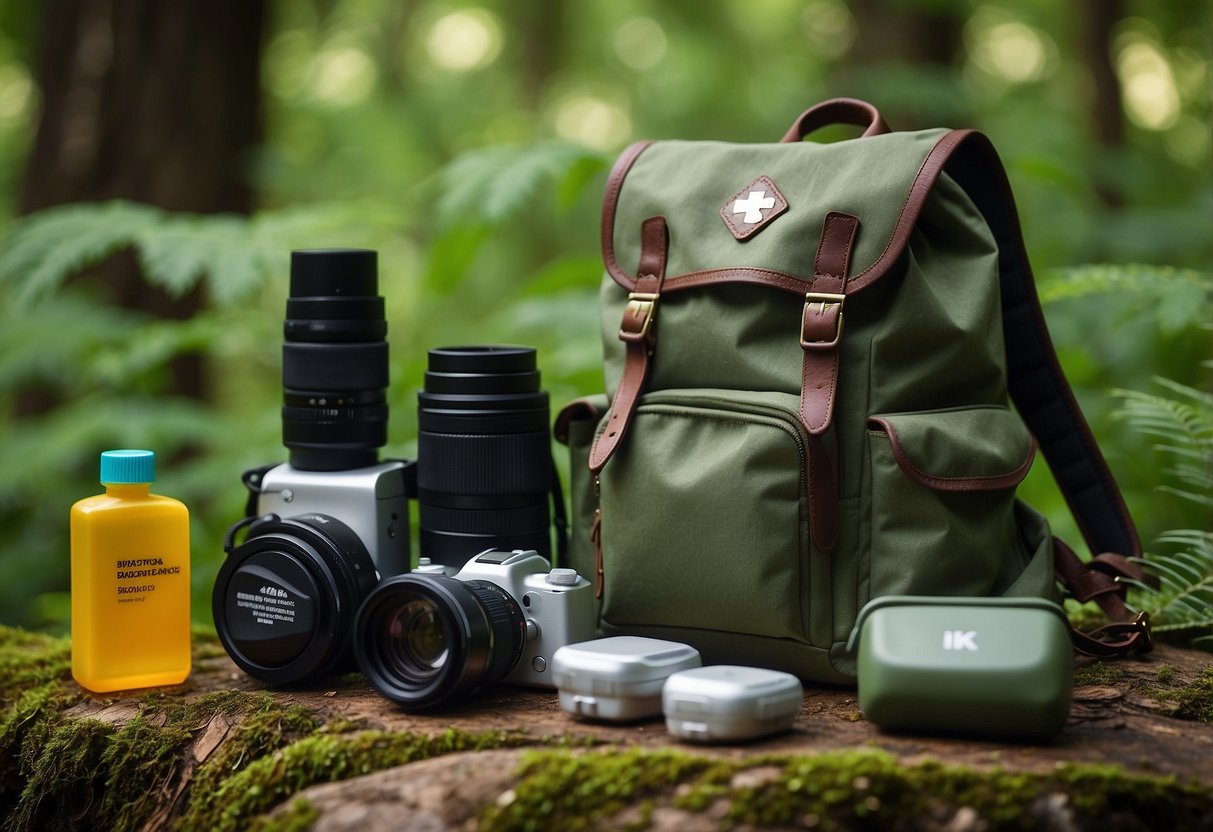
pixel 223 752
pixel 148 101
pixel 1099 18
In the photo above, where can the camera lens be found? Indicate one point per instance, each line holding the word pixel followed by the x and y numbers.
pixel 425 641
pixel 284 599
pixel 334 361
pixel 484 455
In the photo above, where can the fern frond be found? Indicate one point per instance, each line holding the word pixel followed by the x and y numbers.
pixel 45 248
pixel 490 185
pixel 1180 297
pixel 232 254
pixel 1183 421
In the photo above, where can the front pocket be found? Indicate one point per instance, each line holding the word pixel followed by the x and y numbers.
pixel 942 511
pixel 705 515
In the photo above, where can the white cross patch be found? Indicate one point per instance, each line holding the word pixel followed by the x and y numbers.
pixel 753 205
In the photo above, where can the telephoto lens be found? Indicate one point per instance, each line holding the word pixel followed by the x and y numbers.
pixel 426 641
pixel 334 361
pixel 484 458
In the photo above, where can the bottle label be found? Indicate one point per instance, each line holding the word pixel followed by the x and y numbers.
pixel 135 577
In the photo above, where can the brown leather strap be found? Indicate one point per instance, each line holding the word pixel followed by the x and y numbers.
pixel 820 339
pixel 837 111
pixel 1100 581
pixel 637 331
pixel 821 323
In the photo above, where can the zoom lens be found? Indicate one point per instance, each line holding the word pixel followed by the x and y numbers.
pixel 484 459
pixel 425 641
pixel 284 599
pixel 334 361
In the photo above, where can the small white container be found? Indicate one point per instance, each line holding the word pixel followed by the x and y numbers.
pixel 727 703
pixel 618 679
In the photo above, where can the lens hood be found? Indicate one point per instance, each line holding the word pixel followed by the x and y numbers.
pixel 284 598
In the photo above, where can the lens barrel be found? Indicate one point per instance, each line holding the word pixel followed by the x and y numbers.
pixel 283 601
pixel 334 361
pixel 425 641
pixel 484 460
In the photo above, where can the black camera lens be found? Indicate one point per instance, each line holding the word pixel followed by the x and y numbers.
pixel 425 641
pixel 284 599
pixel 334 361
pixel 483 453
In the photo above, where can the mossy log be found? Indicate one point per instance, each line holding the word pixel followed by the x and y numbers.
pixel 221 752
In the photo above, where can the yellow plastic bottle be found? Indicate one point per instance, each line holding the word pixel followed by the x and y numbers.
pixel 130 581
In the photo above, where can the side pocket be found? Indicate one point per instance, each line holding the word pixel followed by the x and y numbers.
pixel 942 510
pixel 575 424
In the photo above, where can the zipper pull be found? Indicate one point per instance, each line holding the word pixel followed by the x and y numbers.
pixel 596 537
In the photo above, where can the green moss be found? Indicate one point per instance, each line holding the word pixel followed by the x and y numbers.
pixel 299 818
pixel 1193 701
pixel 321 758
pixel 30 660
pixel 1165 675
pixel 267 727
pixel 845 789
pixel 35 688
pixel 574 792
pixel 1099 673
pixel 121 771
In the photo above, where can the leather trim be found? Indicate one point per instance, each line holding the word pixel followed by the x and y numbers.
pixel 610 201
pixel 1010 479
pixel 837 111
pixel 932 166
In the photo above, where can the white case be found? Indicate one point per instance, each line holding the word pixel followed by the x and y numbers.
pixel 727 702
pixel 618 679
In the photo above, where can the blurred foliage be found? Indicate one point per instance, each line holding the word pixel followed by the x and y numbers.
pixel 468 141
pixel 1181 423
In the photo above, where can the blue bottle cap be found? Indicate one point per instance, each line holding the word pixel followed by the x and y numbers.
pixel 127 467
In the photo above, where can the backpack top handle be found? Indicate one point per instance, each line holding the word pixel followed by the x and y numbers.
pixel 837 111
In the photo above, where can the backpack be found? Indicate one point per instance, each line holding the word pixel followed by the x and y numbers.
pixel 810 354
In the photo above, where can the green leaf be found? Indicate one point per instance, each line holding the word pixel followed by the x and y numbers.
pixel 44 249
pixel 491 185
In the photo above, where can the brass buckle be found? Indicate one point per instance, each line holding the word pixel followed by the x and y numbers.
pixel 640 305
pixel 822 301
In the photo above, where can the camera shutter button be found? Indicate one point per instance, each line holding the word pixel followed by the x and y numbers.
pixel 562 577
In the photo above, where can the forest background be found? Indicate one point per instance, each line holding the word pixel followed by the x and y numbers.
pixel 158 162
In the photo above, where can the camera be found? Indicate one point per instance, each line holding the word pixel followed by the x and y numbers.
pixel 427 640
pixel 323 528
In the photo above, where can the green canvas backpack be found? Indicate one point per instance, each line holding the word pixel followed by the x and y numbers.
pixel 811 351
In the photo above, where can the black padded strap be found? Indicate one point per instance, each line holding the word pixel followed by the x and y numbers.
pixel 1037 384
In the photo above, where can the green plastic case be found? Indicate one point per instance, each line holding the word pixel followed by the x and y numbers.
pixel 993 666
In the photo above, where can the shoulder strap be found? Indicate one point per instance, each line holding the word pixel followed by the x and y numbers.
pixel 1044 399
